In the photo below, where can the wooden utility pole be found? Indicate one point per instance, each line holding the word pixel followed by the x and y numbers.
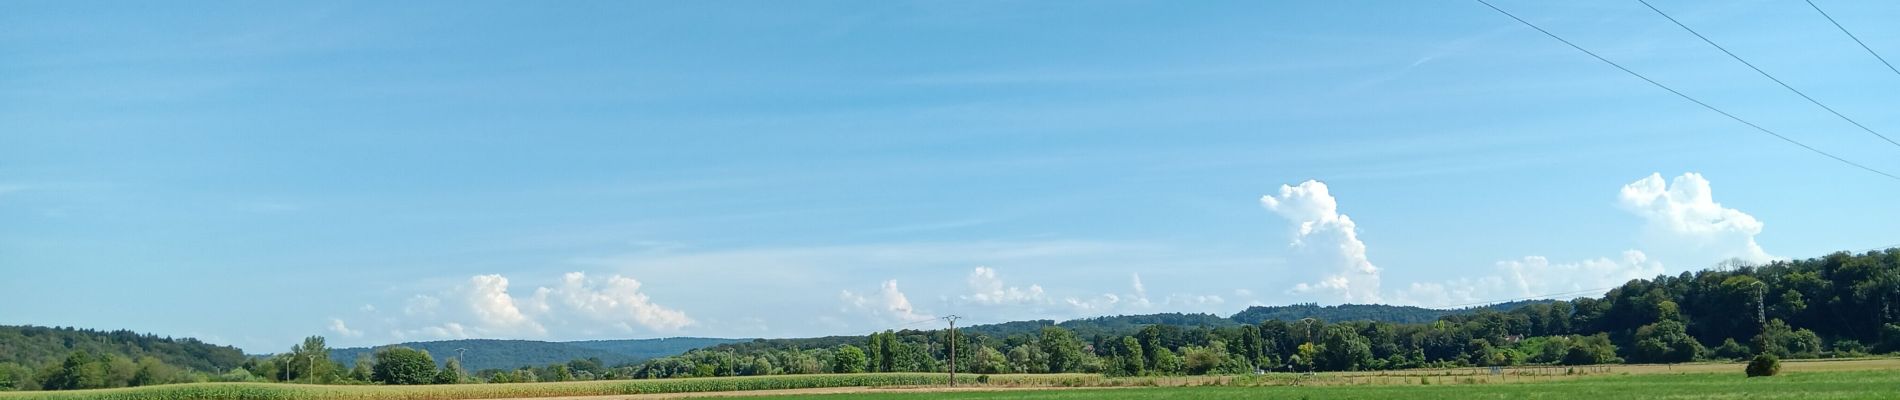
pixel 953 348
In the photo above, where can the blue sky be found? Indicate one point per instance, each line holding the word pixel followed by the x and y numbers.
pixel 251 173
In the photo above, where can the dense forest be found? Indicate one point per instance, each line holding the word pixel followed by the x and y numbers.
pixel 33 357
pixel 1840 305
pixel 1833 306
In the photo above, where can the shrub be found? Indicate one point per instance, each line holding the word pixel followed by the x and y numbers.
pixel 1764 365
pixel 983 378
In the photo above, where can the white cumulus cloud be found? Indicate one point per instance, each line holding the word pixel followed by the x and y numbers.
pixel 887 303
pixel 1331 239
pixel 1684 213
pixel 989 289
pixel 495 309
pixel 616 300
pixel 1533 277
pixel 337 326
pixel 488 306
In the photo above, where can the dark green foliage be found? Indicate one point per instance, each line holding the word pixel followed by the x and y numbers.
pixel 35 346
pixel 1342 349
pixel 1590 350
pixel 1849 348
pixel 1064 349
pixel 81 370
pixel 451 373
pixel 16 377
pixel 403 366
pixel 1665 342
pixel 1764 365
pixel 848 359
pixel 1782 340
pixel 1730 350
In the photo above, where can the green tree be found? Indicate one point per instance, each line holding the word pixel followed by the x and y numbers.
pixel 1590 350
pixel 151 371
pixel 403 366
pixel 1134 363
pixel 1064 349
pixel 1343 349
pixel 882 352
pixel 1028 358
pixel 14 376
pixel 361 372
pixel 1201 360
pixel 1730 350
pixel 1166 363
pixel 451 373
pixel 310 361
pixel 848 359
pixel 1307 357
pixel 990 361
pixel 1667 341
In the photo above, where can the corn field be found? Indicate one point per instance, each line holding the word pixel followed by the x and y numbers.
pixel 276 391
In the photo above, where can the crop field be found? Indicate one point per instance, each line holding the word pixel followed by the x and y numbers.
pixel 273 391
pixel 1833 379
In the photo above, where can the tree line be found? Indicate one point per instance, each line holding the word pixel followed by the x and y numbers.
pixel 1839 305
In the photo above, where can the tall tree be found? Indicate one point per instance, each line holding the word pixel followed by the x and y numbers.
pixel 403 366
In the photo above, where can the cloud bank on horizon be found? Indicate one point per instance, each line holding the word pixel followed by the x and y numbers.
pixel 484 307
pixel 1682 212
pixel 1329 263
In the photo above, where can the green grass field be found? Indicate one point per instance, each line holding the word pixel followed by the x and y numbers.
pixel 1811 385
pixel 1831 379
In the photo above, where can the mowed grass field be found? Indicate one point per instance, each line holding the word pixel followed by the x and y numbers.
pixel 1799 385
pixel 1831 379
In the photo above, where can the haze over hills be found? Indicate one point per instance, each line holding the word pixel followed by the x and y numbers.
pixel 483 354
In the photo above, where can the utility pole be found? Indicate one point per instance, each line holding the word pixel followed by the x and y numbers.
pixel 953 348
pixel 1761 306
pixel 313 366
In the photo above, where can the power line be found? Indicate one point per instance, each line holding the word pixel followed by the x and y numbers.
pixel 1850 35
pixel 1705 39
pixel 1686 96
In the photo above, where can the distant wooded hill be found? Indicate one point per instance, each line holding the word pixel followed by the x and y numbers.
pixel 510 354
pixel 1124 325
pixel 1364 312
pixel 36 346
pixel 39 345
